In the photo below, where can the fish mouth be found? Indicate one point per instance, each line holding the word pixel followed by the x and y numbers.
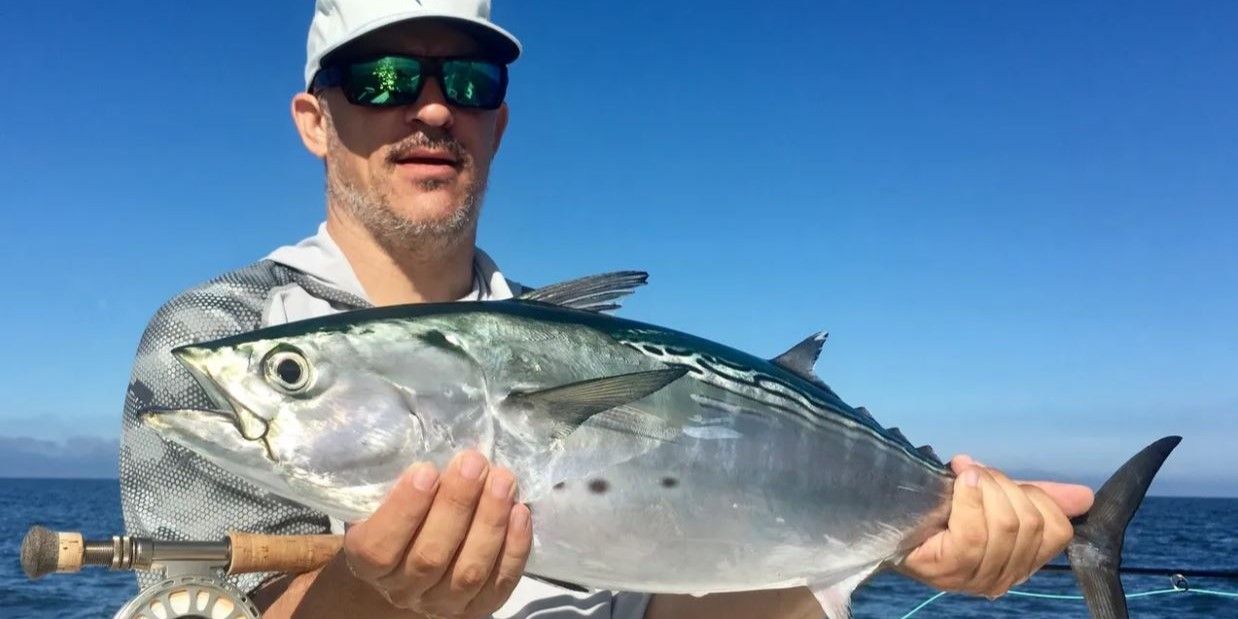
pixel 188 423
pixel 212 432
pixel 196 361
pixel 163 418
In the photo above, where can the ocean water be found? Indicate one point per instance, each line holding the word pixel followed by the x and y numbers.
pixel 1182 533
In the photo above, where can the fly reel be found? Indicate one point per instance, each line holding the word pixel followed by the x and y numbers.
pixel 193 585
pixel 189 597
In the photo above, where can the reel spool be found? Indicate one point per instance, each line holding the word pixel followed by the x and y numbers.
pixel 189 597
pixel 193 586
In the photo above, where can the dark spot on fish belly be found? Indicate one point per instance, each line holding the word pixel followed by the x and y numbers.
pixel 669 482
pixel 599 486
pixel 561 485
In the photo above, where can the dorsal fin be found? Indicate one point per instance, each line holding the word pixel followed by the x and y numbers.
pixel 927 452
pixel 594 293
pixel 863 412
pixel 898 436
pixel 803 356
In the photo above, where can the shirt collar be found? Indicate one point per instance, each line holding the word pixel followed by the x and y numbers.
pixel 321 258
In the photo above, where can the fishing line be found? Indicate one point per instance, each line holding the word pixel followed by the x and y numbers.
pixel 1049 596
pixel 924 604
pixel 1158 571
pixel 1178 579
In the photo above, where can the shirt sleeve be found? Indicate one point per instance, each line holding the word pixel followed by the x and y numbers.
pixel 169 492
pixel 533 599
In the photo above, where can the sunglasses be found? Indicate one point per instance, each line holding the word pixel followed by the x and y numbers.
pixel 391 80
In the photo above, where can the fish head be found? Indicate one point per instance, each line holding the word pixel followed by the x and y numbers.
pixel 329 418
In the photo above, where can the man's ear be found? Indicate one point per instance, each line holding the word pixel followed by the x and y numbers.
pixel 311 121
pixel 500 125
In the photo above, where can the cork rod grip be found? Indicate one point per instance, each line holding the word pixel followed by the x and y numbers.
pixel 45 552
pixel 281 553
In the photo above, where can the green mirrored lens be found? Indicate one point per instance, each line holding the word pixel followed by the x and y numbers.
pixel 385 81
pixel 473 83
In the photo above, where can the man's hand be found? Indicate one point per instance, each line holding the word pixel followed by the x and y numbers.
pixel 451 547
pixel 999 533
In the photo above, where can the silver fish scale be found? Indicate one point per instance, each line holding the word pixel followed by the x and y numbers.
pixel 801 407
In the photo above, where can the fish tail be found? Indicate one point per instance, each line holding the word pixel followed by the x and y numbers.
pixel 1096 551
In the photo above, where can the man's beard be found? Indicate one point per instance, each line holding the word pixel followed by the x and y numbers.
pixel 400 233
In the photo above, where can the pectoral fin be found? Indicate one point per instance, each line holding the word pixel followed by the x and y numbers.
pixel 835 599
pixel 629 421
pixel 572 404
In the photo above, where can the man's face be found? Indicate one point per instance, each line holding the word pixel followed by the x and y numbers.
pixel 413 174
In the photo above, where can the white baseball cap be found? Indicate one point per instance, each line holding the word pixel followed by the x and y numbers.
pixel 337 22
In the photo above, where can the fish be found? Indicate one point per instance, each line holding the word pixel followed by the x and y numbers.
pixel 652 460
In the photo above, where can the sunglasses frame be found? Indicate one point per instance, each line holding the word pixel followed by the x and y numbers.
pixel 336 73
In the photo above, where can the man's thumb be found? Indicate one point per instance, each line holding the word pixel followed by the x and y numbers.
pixel 1072 499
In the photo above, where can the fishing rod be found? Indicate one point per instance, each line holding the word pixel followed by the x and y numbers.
pixel 45 552
pixel 192 574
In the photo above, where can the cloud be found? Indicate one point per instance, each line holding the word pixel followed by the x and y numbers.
pixel 75 457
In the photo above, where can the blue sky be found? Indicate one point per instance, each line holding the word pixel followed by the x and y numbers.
pixel 1017 221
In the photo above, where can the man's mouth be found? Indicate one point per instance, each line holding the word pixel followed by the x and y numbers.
pixel 433 162
pixel 429 156
pixel 428 160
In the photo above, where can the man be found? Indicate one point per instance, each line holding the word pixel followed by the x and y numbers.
pixel 404 103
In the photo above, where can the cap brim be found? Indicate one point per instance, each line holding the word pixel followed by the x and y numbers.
pixel 496 40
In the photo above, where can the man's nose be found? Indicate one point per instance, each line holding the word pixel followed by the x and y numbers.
pixel 431 107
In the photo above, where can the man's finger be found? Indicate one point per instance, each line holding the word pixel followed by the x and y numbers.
pixel 445 525
pixel 1002 527
pixel 1022 560
pixel 515 555
pixel 962 547
pixel 962 462
pixel 376 546
pixel 480 552
pixel 1073 499
pixel 1058 530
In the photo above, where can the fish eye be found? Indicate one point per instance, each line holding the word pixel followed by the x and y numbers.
pixel 288 370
